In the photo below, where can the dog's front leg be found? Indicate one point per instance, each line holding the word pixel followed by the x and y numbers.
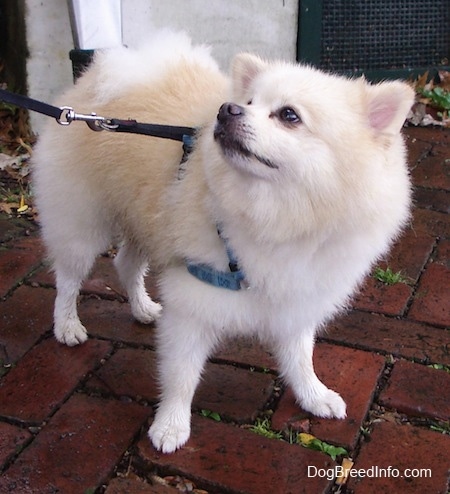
pixel 295 357
pixel 183 348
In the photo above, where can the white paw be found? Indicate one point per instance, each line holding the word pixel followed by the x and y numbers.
pixel 327 404
pixel 146 311
pixel 169 432
pixel 71 332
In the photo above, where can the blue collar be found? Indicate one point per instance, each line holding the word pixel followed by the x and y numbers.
pixel 231 280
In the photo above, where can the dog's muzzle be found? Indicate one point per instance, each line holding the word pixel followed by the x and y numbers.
pixel 233 134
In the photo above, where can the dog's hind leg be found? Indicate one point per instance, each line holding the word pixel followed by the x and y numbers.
pixel 132 266
pixel 73 246
pixel 71 268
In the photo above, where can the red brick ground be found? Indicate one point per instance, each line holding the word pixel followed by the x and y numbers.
pixel 74 420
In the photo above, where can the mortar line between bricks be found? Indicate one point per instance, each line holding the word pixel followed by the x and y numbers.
pixel 426 154
pixel 354 346
pixel 331 488
pixel 396 317
pixel 114 296
pixel 13 458
pixel 415 287
pixel 270 404
pixel 109 393
pixel 369 418
pixel 279 387
pixel 21 424
pixel 46 335
pixel 422 423
pixel 384 353
pixel 81 387
pixel 376 411
pixel 171 470
pixel 243 366
pixel 33 270
pixel 141 465
pixel 26 425
pixel 21 281
pixel 121 345
pixel 45 286
pixel 402 419
pixel 430 188
pixel 132 451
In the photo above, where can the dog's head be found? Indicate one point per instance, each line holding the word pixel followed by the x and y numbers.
pixel 280 111
pixel 322 137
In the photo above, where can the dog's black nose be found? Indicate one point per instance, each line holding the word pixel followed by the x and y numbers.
pixel 229 110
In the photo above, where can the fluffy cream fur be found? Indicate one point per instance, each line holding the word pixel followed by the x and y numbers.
pixel 306 174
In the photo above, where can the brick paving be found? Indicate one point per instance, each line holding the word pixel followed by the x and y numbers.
pixel 74 420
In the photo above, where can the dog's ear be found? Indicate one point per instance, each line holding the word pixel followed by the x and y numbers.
pixel 245 67
pixel 388 106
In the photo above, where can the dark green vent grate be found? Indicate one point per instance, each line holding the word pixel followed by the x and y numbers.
pixel 375 36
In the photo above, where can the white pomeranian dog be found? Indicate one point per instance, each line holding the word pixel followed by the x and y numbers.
pixel 304 174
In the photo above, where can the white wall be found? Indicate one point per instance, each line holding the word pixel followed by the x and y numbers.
pixel 266 27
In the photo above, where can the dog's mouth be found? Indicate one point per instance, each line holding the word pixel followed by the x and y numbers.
pixel 233 147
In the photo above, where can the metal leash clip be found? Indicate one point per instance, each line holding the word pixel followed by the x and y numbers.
pixel 93 121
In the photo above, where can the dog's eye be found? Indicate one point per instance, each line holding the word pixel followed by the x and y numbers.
pixel 249 102
pixel 289 115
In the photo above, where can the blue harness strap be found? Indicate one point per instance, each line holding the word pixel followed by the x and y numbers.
pixel 222 279
pixel 231 280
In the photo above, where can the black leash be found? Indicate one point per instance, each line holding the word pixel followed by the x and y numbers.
pixel 65 115
pixel 156 130
pixel 30 104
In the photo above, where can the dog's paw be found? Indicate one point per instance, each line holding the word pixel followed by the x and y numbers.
pixel 167 434
pixel 327 404
pixel 146 311
pixel 71 333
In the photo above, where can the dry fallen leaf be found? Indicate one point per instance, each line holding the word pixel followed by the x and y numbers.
pixel 347 464
pixel 8 207
pixel 22 206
